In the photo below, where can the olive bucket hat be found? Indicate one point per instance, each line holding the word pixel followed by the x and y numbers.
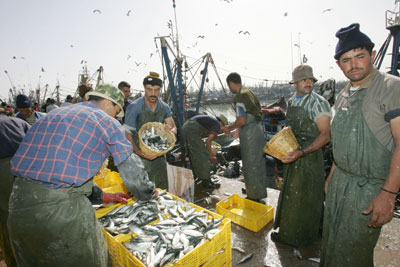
pixel 302 72
pixel 107 91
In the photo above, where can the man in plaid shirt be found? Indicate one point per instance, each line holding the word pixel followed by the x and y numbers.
pixel 51 220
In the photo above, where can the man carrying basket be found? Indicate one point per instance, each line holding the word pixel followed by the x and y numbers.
pixel 149 108
pixel 300 202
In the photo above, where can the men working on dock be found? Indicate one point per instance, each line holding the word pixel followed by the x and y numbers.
pixel 25 110
pixel 12 131
pixel 51 220
pixel 149 108
pixel 251 135
pixel 200 154
pixel 301 199
pixel 365 176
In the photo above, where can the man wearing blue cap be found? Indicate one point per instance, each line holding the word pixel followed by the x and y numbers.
pixel 365 176
pixel 25 110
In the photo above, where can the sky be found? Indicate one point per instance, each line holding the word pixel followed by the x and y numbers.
pixel 50 41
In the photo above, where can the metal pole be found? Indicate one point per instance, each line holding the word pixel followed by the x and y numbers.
pixel 203 79
pixel 171 82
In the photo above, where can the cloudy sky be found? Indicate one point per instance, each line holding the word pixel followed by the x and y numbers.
pixel 46 41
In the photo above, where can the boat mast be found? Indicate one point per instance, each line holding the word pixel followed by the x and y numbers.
pixel 393 25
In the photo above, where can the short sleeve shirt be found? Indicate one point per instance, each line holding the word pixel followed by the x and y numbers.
pixel 69 145
pixel 315 106
pixel 383 96
pixel 247 101
pixel 209 122
pixel 134 110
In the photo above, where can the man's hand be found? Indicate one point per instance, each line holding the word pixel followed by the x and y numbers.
pixel 225 130
pixel 155 195
pixel 213 160
pixel 292 156
pixel 115 197
pixel 145 156
pixel 382 208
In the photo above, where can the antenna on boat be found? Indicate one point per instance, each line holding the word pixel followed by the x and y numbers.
pixel 176 26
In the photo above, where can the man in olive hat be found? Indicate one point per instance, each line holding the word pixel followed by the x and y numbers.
pixel 365 177
pixel 200 154
pixel 150 108
pixel 51 220
pixel 301 199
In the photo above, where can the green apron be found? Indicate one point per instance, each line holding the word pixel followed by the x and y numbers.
pixel 362 165
pixel 300 203
pixel 6 183
pixel 156 168
pixel 49 227
pixel 252 141
pixel 199 157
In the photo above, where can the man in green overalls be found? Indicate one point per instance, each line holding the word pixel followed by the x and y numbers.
pixel 251 136
pixel 149 108
pixel 365 176
pixel 193 130
pixel 51 221
pixel 301 199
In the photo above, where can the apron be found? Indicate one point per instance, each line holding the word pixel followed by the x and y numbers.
pixel 156 168
pixel 199 157
pixel 300 203
pixel 252 141
pixel 362 165
pixel 49 227
pixel 6 183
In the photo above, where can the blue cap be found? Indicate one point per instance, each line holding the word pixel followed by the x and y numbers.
pixel 23 101
pixel 350 38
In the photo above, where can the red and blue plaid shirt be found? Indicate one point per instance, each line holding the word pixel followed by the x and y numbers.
pixel 69 145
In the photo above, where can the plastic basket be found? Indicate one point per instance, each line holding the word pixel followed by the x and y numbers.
pixel 282 143
pixel 203 253
pixel 158 129
pixel 249 214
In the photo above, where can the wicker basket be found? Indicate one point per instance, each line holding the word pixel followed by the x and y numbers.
pixel 160 130
pixel 282 143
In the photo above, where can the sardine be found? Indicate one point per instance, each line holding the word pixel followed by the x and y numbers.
pixel 246 258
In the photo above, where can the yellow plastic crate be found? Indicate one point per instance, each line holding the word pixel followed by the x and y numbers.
pixel 249 214
pixel 121 256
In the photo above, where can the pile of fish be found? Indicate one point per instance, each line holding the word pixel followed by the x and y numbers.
pixel 155 141
pixel 178 231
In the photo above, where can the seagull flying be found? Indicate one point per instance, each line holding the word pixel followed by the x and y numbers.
pixel 97 10
pixel 200 36
pixel 151 54
pixel 137 64
pixel 326 10
pixel 129 56
pixel 43 69
pixel 14 57
pixel 129 13
pixel 246 32
pixel 285 14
